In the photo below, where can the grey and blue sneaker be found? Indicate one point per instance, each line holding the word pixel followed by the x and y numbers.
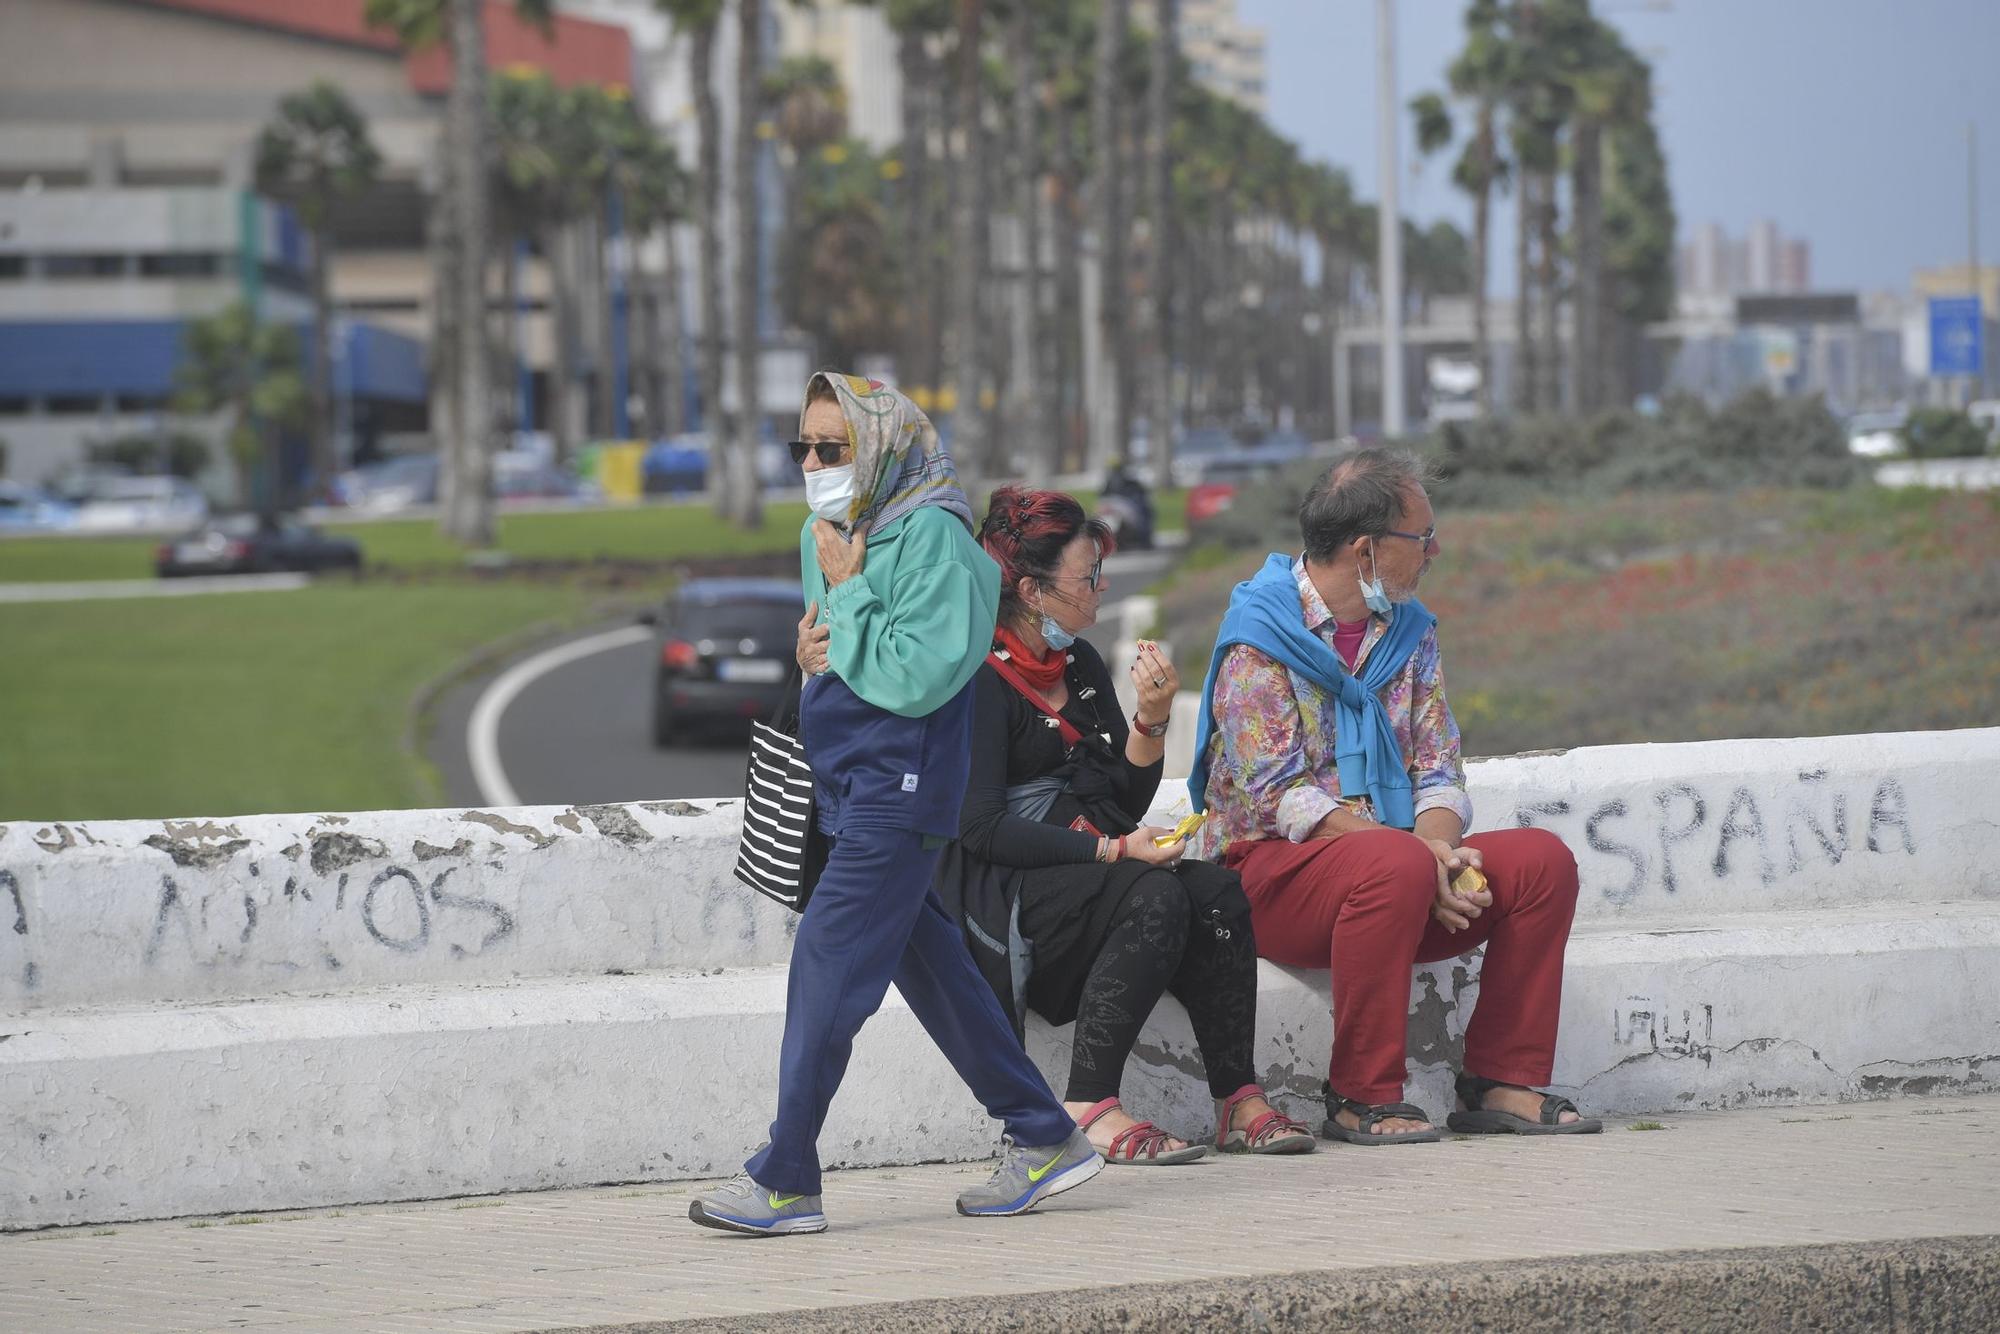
pixel 741 1205
pixel 1027 1176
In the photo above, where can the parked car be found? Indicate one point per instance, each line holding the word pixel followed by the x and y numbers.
pixel 252 544
pixel 1876 435
pixel 391 484
pixel 677 466
pixel 136 504
pixel 26 510
pixel 521 476
pixel 726 653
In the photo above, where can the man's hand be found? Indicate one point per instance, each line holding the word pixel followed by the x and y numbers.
pixel 1451 908
pixel 812 643
pixel 839 559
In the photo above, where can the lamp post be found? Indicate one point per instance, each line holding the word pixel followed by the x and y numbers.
pixel 1389 227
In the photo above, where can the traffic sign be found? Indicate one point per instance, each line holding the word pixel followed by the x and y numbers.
pixel 1957 345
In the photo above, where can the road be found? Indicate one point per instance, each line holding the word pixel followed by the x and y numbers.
pixel 578 732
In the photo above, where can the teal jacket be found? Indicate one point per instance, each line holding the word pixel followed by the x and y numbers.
pixel 911 629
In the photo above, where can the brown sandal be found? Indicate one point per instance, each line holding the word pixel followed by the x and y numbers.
pixel 1141 1145
pixel 1272 1132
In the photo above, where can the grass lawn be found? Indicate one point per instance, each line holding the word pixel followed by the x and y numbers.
pixel 1695 616
pixel 237 703
pixel 653 533
pixel 662 533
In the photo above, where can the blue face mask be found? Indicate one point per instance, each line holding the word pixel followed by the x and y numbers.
pixel 1052 631
pixel 1371 589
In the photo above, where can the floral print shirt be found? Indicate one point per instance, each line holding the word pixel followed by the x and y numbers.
pixel 1271 767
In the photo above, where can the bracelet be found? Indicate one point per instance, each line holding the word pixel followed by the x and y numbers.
pixel 1103 853
pixel 1155 730
pixel 1121 849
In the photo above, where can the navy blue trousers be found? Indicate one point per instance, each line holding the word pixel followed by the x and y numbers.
pixel 872 920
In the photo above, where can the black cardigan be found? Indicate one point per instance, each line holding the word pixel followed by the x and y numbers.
pixel 979 875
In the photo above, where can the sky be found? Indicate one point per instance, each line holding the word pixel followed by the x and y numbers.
pixel 1844 121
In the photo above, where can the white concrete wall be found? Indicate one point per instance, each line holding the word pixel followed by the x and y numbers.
pixel 1946 474
pixel 181 910
pixel 288 1010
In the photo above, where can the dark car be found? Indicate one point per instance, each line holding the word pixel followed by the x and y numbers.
pixel 250 544
pixel 726 653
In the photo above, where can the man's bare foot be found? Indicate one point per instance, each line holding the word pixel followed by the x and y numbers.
pixel 1114 1122
pixel 1524 1103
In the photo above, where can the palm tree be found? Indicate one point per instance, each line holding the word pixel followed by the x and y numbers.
pixel 1611 90
pixel 969 243
pixel 1030 408
pixel 1108 222
pixel 915 23
pixel 831 282
pixel 809 110
pixel 745 503
pixel 231 363
pixel 550 165
pixel 1638 241
pixel 467 483
pixel 699 19
pixel 1478 74
pixel 647 174
pixel 315 153
pixel 1160 99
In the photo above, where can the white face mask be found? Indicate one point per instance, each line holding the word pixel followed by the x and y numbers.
pixel 830 492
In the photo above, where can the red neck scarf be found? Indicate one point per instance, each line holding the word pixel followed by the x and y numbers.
pixel 1041 673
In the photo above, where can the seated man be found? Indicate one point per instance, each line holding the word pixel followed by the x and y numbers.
pixel 1329 763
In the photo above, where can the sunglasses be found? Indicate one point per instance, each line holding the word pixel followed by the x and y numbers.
pixel 829 451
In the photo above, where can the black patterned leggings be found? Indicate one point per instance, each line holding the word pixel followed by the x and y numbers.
pixel 1157 946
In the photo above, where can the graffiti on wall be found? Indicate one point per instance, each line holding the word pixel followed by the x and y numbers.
pixel 1682 833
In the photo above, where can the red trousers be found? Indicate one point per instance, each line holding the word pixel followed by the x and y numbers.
pixel 1361 904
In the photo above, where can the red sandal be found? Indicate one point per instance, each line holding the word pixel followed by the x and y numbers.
pixel 1140 1145
pixel 1272 1132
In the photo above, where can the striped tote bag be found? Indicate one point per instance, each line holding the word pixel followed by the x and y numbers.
pixel 781 853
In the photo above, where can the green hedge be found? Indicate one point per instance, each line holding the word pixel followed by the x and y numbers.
pixel 1757 440
pixel 1942 433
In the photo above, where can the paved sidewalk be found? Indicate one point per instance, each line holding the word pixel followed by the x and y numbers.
pixel 99 589
pixel 1863 1172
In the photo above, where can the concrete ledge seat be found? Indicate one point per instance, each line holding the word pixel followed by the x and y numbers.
pixel 424 1091
pixel 284 1011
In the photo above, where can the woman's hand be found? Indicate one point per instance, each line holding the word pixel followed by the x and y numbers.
pixel 811 652
pixel 1156 682
pixel 840 559
pixel 1140 847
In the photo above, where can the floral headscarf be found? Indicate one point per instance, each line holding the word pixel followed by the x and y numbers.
pixel 899 462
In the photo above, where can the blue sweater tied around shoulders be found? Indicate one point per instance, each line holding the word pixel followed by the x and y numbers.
pixel 1264 613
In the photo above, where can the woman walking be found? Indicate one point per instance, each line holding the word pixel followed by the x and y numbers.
pixel 903 603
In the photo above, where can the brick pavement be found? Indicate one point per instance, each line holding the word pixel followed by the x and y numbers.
pixel 1768 1177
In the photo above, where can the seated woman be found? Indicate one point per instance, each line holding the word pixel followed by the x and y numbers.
pixel 1069 905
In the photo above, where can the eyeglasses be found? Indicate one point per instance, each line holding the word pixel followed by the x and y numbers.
pixel 829 451
pixel 1427 538
pixel 1093 580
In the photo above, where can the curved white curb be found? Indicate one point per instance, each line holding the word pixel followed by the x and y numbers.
pixel 482 732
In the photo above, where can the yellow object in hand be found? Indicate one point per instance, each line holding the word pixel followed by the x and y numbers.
pixel 1470 880
pixel 1185 829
